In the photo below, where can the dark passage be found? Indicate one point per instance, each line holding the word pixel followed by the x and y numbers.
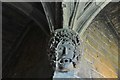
pixel 24 44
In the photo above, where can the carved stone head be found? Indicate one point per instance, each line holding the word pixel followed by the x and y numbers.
pixel 64 50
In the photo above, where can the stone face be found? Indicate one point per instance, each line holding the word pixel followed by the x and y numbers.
pixel 64 51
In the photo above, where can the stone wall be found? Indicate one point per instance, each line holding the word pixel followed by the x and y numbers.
pixel 100 59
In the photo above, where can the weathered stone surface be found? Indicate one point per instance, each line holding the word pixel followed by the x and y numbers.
pixel 101 47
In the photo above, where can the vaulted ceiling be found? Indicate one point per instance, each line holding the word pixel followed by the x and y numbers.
pixel 26 32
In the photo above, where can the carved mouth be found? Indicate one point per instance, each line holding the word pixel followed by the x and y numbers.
pixel 62 69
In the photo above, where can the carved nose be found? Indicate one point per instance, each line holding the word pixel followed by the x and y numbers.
pixel 65 51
